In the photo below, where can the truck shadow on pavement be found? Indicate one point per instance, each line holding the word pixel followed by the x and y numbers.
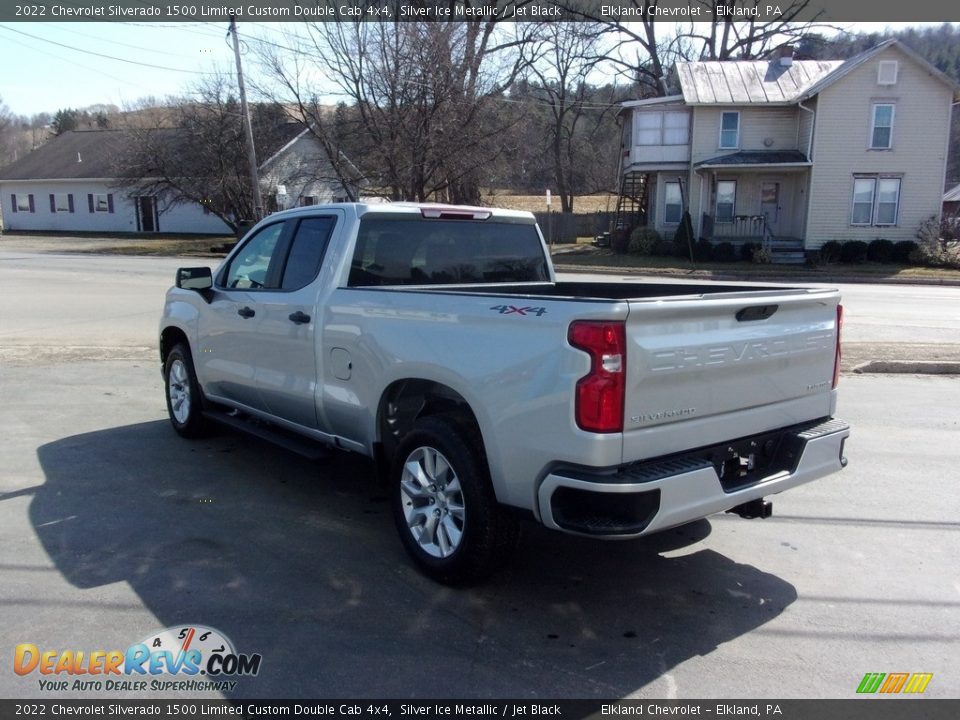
pixel 299 561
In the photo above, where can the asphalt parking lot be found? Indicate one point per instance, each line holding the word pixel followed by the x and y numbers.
pixel 112 527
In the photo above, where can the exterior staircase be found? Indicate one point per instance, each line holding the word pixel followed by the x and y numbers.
pixel 632 201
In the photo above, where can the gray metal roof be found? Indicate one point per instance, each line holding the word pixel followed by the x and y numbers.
pixel 756 157
pixel 746 82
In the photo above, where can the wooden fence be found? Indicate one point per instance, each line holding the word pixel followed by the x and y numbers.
pixel 567 227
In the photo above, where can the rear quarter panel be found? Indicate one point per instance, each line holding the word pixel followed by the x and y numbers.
pixel 516 371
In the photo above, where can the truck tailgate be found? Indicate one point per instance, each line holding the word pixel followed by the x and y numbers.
pixel 724 366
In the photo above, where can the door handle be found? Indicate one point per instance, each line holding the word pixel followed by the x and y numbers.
pixel 299 317
pixel 246 312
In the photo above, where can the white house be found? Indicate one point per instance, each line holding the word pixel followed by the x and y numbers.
pixel 70 184
pixel 791 152
pixel 299 173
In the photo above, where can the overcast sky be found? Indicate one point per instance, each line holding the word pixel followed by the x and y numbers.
pixel 48 66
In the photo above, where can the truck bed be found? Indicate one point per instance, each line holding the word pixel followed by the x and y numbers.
pixel 601 291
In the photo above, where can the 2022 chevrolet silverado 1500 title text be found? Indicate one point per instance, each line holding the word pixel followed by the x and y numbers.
pixel 438 341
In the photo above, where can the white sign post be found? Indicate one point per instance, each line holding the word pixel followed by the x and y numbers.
pixel 549 218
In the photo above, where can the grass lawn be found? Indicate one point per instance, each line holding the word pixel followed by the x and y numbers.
pixel 582 204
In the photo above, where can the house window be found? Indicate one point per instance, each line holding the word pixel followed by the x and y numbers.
pixel 649 128
pixel 672 203
pixel 729 130
pixel 876 200
pixel 726 200
pixel 662 128
pixel 62 202
pixel 881 127
pixel 887 72
pixel 306 200
pixel 676 128
pixel 101 203
pixel 888 201
pixel 22 203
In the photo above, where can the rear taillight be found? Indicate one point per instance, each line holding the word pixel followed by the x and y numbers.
pixel 836 357
pixel 600 393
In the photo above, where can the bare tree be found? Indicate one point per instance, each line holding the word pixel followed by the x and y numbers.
pixel 20 134
pixel 420 111
pixel 574 115
pixel 194 152
pixel 735 39
pixel 8 128
pixel 633 46
pixel 636 48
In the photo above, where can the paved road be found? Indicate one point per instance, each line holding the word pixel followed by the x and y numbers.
pixel 112 527
pixel 83 302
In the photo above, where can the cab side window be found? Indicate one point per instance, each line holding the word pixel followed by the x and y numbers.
pixel 306 252
pixel 250 268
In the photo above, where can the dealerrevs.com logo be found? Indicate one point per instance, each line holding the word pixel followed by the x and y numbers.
pixel 182 658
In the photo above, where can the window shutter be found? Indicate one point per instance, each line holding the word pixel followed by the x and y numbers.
pixel 90 201
pixel 53 204
pixel 70 202
pixel 32 207
pixel 110 202
pixel 13 202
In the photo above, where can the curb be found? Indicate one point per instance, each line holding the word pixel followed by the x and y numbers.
pixel 915 367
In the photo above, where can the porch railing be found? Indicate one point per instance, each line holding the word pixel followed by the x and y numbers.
pixel 739 227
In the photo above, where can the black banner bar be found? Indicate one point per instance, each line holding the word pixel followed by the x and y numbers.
pixel 481 10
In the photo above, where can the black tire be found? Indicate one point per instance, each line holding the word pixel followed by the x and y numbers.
pixel 487 531
pixel 184 398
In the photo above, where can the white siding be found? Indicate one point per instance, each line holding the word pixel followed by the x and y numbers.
pixel 789 221
pixel 841 143
pixel 304 170
pixel 667 230
pixel 177 219
pixel 757 125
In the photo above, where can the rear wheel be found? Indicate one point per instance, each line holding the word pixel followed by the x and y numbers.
pixel 444 507
pixel 184 400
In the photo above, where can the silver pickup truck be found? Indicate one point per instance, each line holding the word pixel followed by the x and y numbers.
pixel 438 341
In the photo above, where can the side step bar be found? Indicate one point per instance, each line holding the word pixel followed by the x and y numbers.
pixel 271 433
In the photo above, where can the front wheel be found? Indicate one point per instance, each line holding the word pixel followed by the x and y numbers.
pixel 184 401
pixel 444 507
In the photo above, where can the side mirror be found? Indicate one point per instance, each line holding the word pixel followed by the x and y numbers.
pixel 195 278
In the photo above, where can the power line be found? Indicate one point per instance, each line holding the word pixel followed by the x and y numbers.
pixel 99 71
pixel 102 55
pixel 113 42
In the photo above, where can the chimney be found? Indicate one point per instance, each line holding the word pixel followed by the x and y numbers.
pixel 786 56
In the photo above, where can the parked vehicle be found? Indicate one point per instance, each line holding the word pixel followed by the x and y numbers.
pixel 438 341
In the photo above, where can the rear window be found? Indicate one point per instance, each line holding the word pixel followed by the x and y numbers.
pixel 393 251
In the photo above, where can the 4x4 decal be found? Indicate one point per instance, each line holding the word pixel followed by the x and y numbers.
pixel 513 310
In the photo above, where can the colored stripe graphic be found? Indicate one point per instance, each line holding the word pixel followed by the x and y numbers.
pixel 918 682
pixel 871 682
pixel 894 682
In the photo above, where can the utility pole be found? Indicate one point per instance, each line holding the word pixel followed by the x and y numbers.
pixel 251 150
